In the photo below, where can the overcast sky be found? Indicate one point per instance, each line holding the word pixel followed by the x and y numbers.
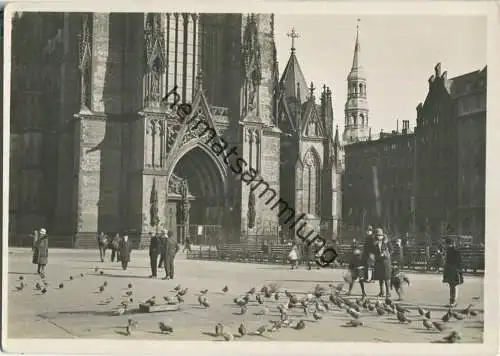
pixel 398 54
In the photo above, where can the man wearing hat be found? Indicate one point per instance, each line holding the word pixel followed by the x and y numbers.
pixel 452 273
pixel 169 248
pixel 41 252
pixel 153 253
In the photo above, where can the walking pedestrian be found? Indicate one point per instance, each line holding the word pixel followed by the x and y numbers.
pixel 115 248
pixel 125 249
pixel 293 256
pixel 171 251
pixel 383 268
pixel 154 251
pixel 356 272
pixel 102 243
pixel 453 273
pixel 41 252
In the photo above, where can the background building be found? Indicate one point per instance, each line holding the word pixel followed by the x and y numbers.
pixel 451 147
pixel 95 148
pixel 379 183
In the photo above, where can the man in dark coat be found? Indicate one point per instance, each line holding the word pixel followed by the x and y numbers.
pixel 115 248
pixel 169 248
pixel 452 273
pixel 41 252
pixel 125 247
pixel 154 251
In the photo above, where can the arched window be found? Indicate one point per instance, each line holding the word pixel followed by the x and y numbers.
pixel 311 183
pixel 361 88
pixel 362 119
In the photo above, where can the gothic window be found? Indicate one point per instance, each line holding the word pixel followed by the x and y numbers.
pixel 361 89
pixel 311 184
pixel 362 117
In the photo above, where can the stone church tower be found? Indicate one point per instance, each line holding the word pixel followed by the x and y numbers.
pixel 356 107
pixel 310 151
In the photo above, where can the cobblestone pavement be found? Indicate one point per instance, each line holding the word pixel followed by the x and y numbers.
pixel 77 311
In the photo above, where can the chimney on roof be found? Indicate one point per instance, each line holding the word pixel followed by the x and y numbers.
pixel 397 125
pixel 406 126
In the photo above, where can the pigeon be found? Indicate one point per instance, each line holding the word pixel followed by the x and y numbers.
pixel 228 336
pixel 452 338
pixel 225 289
pixel 21 278
pixel 179 298
pixel 44 290
pixel 129 286
pixel 101 289
pixel 261 330
pixel 61 285
pixel 300 325
pixel 428 324
pixel 447 316
pixel 380 311
pixel 183 292
pixel 164 328
pixel 128 293
pixel 204 291
pixel 81 274
pixel 205 303
pixel 201 299
pixel 466 311
pixel 131 300
pixel 169 300
pixel 100 272
pixel 320 307
pixel 243 310
pixel 252 290
pixel 259 298
pixel 105 284
pixel 219 329
pixel 403 318
pixel 457 316
pixel 473 313
pixel 242 329
pixel 151 301
pixel 353 313
pixel 121 310
pixel 178 288
pixel 401 309
pixel 354 323
pixel 428 314
pixel 96 269
pixel 319 291
pixel 317 315
pixel 70 278
pixel 306 311
pixel 421 311
pixel 38 286
pixel 438 325
pixel 276 296
pixel 240 301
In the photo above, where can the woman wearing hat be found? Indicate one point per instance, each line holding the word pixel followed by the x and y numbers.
pixel 382 252
pixel 452 273
pixel 41 252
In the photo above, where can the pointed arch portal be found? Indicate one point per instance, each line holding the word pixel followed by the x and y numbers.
pixel 201 168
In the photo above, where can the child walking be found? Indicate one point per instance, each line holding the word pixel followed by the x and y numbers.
pixel 293 256
pixel 452 273
pixel 356 272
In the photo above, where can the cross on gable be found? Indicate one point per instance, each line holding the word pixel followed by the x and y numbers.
pixel 293 35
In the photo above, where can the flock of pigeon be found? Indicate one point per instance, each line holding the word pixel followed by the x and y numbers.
pixel 293 309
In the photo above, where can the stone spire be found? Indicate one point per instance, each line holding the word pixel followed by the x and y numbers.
pixel 356 106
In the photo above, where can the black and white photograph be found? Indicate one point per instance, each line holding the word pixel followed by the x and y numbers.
pixel 275 173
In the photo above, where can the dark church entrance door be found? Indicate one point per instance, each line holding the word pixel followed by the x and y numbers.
pixel 196 199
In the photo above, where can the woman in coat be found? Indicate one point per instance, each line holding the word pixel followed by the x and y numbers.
pixel 41 252
pixel 452 273
pixel 124 249
pixel 383 269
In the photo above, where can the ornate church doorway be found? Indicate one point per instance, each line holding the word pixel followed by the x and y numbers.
pixel 196 197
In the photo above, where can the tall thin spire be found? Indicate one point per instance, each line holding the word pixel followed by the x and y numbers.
pixel 357 49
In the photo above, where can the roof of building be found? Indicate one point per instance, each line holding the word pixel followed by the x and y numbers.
pixel 467 83
pixel 292 76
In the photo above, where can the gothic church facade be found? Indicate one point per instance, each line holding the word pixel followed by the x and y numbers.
pixel 96 145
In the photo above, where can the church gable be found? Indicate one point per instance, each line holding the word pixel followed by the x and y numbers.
pixel 288 115
pixel 312 125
